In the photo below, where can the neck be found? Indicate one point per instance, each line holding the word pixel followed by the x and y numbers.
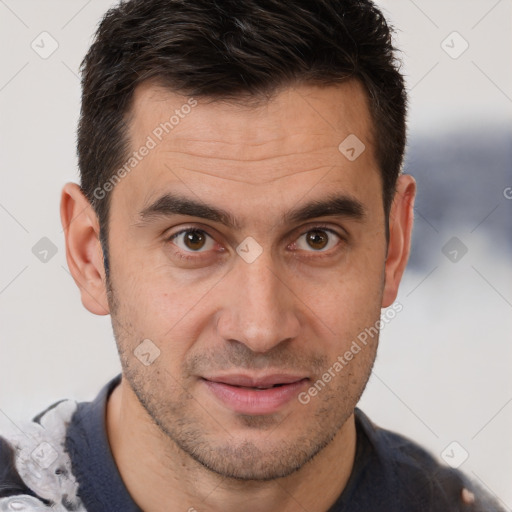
pixel 158 473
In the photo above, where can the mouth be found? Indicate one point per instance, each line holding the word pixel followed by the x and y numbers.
pixel 259 387
pixel 255 395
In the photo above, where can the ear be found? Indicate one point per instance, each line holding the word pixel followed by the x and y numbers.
pixel 83 249
pixel 400 229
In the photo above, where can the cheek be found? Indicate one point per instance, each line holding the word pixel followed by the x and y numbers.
pixel 347 312
pixel 153 313
pixel 347 301
pixel 156 306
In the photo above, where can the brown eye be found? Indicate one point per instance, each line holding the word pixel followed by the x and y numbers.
pixel 317 240
pixel 193 240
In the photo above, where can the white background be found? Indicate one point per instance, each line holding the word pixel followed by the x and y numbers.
pixel 443 370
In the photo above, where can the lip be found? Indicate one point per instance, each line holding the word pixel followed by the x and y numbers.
pixel 239 393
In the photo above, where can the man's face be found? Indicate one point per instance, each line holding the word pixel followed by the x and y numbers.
pixel 272 291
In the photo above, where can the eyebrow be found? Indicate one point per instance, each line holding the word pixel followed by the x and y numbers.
pixel 333 206
pixel 172 204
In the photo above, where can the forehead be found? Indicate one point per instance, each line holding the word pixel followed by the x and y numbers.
pixel 290 142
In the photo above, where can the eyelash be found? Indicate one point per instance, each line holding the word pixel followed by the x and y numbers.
pixel 187 255
pixel 191 255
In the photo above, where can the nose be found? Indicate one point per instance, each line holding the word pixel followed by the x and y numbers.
pixel 260 307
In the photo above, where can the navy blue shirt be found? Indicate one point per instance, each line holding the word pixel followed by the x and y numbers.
pixel 390 472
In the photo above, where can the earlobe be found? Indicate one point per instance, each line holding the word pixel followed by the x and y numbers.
pixel 401 219
pixel 83 249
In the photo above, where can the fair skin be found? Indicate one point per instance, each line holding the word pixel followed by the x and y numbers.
pixel 183 435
